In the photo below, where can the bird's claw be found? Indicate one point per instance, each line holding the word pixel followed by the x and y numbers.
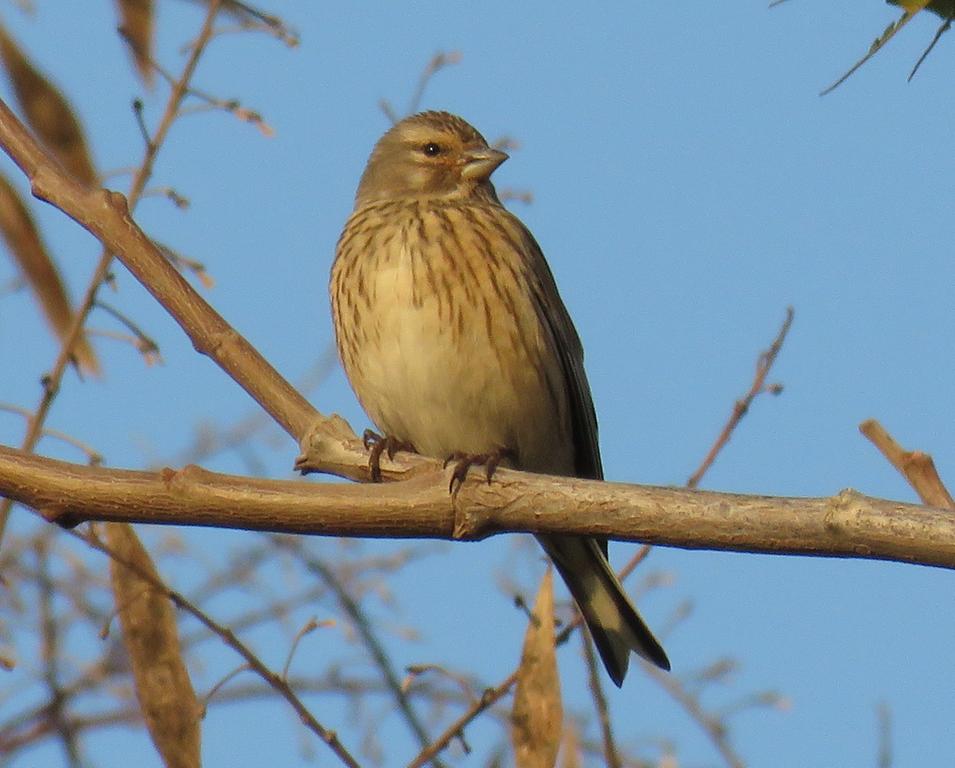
pixel 464 461
pixel 375 444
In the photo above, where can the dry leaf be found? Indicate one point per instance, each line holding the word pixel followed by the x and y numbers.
pixel 47 112
pixel 136 22
pixel 571 754
pixel 538 714
pixel 151 638
pixel 23 239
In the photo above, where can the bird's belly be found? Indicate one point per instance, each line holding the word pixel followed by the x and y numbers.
pixel 447 386
pixel 434 392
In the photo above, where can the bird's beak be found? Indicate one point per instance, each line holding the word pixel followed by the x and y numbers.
pixel 479 164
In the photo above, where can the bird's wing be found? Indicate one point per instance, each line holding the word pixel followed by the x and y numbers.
pixel 556 320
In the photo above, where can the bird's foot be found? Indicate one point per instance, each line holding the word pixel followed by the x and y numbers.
pixel 464 461
pixel 377 445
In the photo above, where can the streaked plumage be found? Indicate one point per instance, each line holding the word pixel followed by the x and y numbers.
pixel 455 339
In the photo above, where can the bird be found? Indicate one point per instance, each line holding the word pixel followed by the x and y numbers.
pixel 455 340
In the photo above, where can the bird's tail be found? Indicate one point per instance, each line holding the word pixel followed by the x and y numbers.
pixel 614 623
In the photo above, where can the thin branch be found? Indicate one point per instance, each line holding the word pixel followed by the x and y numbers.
pixel 916 467
pixel 490 697
pixel 763 365
pixel 942 29
pixel 310 626
pixel 256 19
pixel 149 355
pixel 50 631
pixel 438 62
pixel 225 680
pixel 611 756
pixel 141 121
pixel 884 715
pixel 179 201
pixel 711 725
pixel 435 64
pixel 93 456
pixel 144 343
pixel 231 106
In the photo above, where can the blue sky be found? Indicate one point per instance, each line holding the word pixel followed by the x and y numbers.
pixel 689 184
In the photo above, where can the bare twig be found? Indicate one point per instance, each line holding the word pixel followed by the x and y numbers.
pixel 435 64
pixel 50 630
pixel 310 626
pixel 916 467
pixel 94 457
pixel 884 715
pixel 942 29
pixel 490 697
pixel 220 684
pixel 254 18
pixel 711 725
pixel 465 684
pixel 145 344
pixel 231 106
pixel 611 756
pixel 763 366
pixel 438 62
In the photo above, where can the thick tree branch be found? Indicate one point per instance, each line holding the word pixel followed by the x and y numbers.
pixel 846 525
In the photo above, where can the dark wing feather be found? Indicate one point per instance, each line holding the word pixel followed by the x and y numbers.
pixel 557 320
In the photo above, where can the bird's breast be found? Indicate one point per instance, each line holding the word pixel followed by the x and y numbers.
pixel 447 349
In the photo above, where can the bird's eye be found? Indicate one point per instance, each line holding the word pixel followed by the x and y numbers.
pixel 431 149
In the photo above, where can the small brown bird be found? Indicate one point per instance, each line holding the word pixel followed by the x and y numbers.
pixel 454 338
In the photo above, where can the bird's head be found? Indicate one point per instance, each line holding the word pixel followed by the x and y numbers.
pixel 431 154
